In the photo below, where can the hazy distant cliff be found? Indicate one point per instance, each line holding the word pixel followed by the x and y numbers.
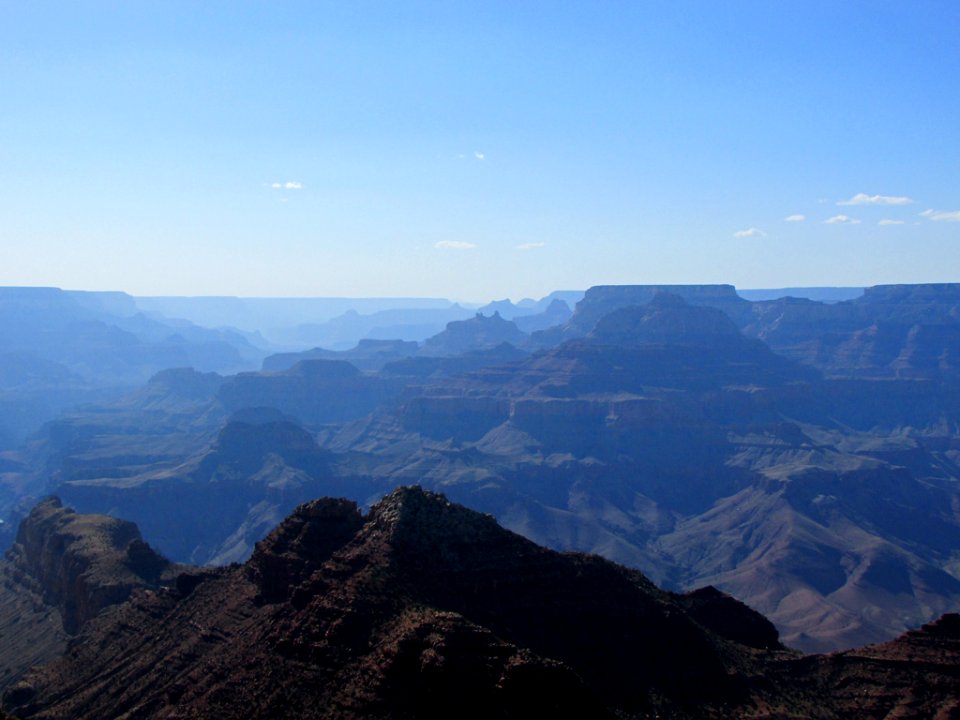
pixel 667 436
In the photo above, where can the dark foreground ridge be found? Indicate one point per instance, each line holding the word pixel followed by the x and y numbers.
pixel 426 609
pixel 65 569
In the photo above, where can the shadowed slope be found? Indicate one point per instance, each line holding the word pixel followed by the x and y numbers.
pixel 426 609
pixel 423 609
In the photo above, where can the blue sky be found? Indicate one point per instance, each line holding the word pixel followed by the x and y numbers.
pixel 477 150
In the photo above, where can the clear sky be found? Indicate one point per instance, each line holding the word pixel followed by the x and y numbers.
pixel 477 150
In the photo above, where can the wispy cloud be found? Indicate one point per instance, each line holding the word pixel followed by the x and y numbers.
pixel 949 216
pixel 749 233
pixel 455 245
pixel 890 222
pixel 864 199
pixel 795 218
pixel 288 185
pixel 479 155
pixel 841 220
pixel 530 245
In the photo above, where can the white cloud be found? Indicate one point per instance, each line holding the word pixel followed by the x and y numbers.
pixel 749 233
pixel 795 218
pixel 949 216
pixel 530 245
pixel 478 155
pixel 455 245
pixel 289 185
pixel 841 220
pixel 864 199
pixel 890 222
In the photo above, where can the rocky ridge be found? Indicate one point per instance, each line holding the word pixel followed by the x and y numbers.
pixel 423 608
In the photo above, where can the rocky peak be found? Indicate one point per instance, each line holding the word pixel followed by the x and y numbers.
pixel 947 626
pixel 730 618
pixel 248 440
pixel 933 637
pixel 243 449
pixel 82 563
pixel 425 525
pixel 477 333
pixel 440 554
pixel 300 544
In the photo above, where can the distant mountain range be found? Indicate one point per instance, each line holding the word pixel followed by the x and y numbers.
pixel 800 455
pixel 820 294
pixel 59 349
pixel 340 323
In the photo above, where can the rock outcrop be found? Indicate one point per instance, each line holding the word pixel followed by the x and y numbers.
pixel 915 676
pixel 83 563
pixel 477 333
pixel 315 392
pixel 63 571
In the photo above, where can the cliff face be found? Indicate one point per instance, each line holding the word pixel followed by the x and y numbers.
pixel 478 333
pixel 82 563
pixel 902 331
pixel 915 676
pixel 601 300
pixel 314 392
pixel 63 570
pixel 936 300
pixel 892 331
pixel 666 320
